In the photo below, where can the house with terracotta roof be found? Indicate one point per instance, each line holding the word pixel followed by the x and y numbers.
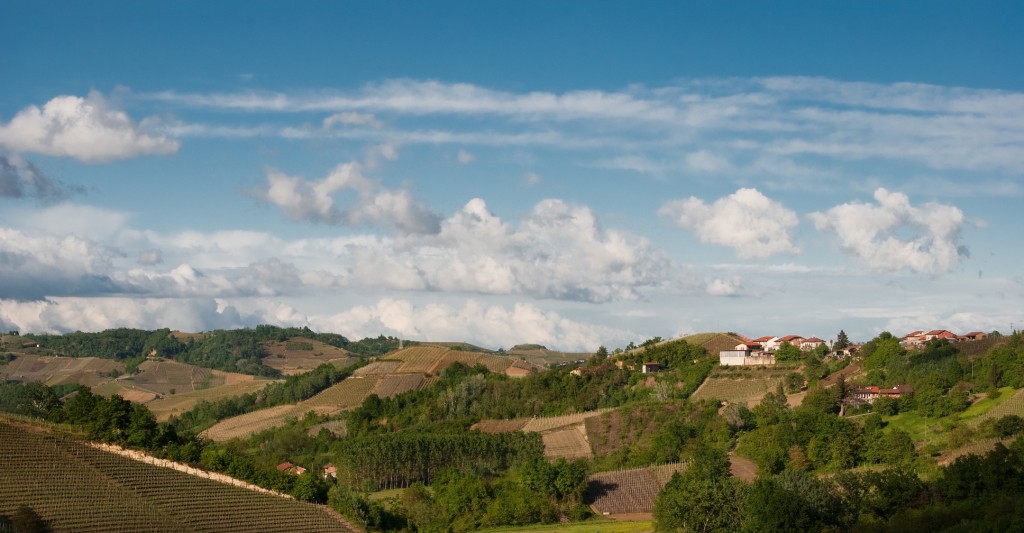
pixel 940 334
pixel 871 393
pixel 974 336
pixel 330 471
pixel 291 468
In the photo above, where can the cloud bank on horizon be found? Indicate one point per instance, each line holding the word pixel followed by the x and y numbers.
pixel 502 213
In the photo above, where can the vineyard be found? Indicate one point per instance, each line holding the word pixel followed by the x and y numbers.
pixel 569 443
pixel 1012 406
pixel 74 487
pixel 736 390
pixel 629 491
pixel 563 436
pixel 394 384
pixel 167 406
pixel 420 359
pixel 500 426
pixel 111 388
pixel 979 447
pixel 347 394
pixel 249 423
pixel 163 377
pixel 378 368
pixel 549 423
pixel 299 354
pixel 88 371
pixel 342 396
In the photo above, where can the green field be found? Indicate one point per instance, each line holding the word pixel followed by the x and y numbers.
pixel 928 430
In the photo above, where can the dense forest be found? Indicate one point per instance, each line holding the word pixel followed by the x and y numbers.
pixel 817 469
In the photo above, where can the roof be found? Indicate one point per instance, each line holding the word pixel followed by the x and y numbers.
pixel 813 339
pixel 913 333
pixel 764 339
pixel 790 338
pixel 655 363
pixel 285 465
pixel 937 332
pixel 974 334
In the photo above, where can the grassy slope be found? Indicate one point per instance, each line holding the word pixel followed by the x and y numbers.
pixel 925 430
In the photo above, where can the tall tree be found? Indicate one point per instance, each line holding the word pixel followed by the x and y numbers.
pixel 842 341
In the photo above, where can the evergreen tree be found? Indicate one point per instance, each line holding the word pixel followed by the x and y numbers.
pixel 842 341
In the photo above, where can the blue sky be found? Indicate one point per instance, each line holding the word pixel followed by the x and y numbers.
pixel 572 174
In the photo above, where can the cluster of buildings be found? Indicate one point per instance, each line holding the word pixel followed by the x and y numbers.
pixel 761 351
pixel 329 469
pixel 916 339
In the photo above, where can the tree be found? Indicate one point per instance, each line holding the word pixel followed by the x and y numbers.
pixel 842 341
pixel 788 352
pixel 701 498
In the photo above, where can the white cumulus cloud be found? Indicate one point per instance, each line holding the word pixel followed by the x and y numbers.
pixel 895 235
pixel 747 221
pixel 89 129
pixel 373 204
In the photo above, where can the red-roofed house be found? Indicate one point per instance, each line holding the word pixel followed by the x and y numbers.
pixel 939 334
pixel 974 336
pixel 330 471
pixel 872 393
pixel 287 466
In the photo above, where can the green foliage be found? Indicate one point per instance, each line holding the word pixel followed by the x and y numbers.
pixel 891 447
pixel 880 352
pixel 790 501
pixel 365 512
pixel 701 498
pixel 28 399
pixel 788 352
pixel 400 459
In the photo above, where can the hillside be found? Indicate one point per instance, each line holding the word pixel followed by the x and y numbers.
pixel 76 487
pixel 302 354
pixel 406 370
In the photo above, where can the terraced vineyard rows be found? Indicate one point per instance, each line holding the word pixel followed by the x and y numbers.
pixel 1012 406
pixel 500 426
pixel 629 491
pixel 89 371
pixel 74 487
pixel 570 443
pixel 553 422
pixel 378 368
pixel 167 406
pixel 395 384
pixel 450 357
pixel 735 390
pixel 249 423
pixel 419 359
pixel 347 394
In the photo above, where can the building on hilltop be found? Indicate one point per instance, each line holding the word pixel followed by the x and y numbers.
pixel 746 354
